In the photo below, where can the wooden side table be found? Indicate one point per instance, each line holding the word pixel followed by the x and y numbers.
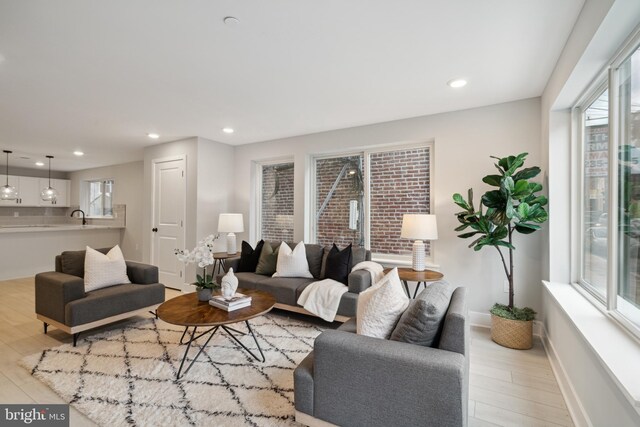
pixel 218 261
pixel 410 275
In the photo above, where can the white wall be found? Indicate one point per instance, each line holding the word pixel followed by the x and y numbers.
pixel 463 141
pixel 216 181
pixel 128 186
pixel 601 28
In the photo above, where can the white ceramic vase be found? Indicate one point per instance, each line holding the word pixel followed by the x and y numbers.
pixel 229 284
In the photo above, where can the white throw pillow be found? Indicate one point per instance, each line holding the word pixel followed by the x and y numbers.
pixel 101 271
pixel 380 307
pixel 292 263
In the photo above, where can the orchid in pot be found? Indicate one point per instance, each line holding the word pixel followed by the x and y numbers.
pixel 202 255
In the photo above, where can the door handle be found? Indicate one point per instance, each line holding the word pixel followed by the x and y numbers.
pixel 155 230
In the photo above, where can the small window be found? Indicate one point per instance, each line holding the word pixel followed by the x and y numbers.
pixel 98 196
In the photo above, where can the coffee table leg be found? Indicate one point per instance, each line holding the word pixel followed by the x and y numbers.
pixel 244 346
pixel 186 351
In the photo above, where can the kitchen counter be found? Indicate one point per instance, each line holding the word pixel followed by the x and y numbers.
pixel 53 227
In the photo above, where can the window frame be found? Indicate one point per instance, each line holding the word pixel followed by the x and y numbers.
pixel 84 199
pixel 257 205
pixel 366 152
pixel 606 79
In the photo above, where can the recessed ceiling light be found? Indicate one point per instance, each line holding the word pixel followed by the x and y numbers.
pixel 456 83
pixel 153 135
pixel 227 130
pixel 39 164
pixel 78 153
pixel 231 21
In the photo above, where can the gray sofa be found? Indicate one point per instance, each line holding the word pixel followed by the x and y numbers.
pixel 355 380
pixel 62 302
pixel 286 290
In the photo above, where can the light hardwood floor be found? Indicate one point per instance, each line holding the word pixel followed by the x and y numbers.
pixel 507 387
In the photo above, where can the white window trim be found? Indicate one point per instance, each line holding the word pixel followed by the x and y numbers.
pixel 84 197
pixel 255 232
pixel 606 78
pixel 391 259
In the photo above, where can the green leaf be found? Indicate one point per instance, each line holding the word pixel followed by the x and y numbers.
pixel 527 173
pixel 521 189
pixel 523 210
pixel 494 199
pixel 524 228
pixel 461 227
pixel 504 244
pixel 515 163
pixel 500 232
pixel 199 278
pixel 534 186
pixel 493 180
pixel 510 211
pixel 458 200
pixel 467 235
pixel 507 184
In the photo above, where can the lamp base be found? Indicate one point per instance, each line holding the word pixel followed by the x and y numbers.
pixel 231 244
pixel 418 256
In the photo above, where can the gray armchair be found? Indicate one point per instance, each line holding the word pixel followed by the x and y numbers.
pixel 354 380
pixel 61 300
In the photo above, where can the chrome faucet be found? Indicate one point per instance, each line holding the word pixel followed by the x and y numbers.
pixel 84 221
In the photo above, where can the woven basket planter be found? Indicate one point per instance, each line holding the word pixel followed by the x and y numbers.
pixel 517 334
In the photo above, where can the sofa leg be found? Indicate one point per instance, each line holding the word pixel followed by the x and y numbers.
pixel 46 325
pixel 75 338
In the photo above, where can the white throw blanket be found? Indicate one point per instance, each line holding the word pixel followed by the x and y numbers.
pixel 323 298
pixel 375 269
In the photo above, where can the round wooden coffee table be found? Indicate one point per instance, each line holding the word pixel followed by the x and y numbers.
pixel 186 310
pixel 422 277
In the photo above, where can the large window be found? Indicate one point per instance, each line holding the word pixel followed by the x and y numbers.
pixel 360 198
pixel 275 215
pixel 610 182
pixel 98 198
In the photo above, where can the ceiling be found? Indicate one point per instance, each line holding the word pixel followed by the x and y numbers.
pixel 99 75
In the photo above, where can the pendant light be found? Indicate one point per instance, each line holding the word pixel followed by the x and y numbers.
pixel 49 194
pixel 8 192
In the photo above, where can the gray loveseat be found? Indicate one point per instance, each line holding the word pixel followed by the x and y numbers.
pixel 355 380
pixel 286 290
pixel 62 302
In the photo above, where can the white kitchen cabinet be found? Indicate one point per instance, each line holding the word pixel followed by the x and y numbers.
pixel 62 186
pixel 29 191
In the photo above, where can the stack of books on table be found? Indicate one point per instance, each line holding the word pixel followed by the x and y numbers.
pixel 229 304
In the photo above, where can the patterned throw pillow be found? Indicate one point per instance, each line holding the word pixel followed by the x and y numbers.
pixel 249 257
pixel 292 263
pixel 101 271
pixel 380 307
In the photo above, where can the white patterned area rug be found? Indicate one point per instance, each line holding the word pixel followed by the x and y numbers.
pixel 126 376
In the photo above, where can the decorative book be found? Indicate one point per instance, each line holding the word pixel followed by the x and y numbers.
pixel 243 304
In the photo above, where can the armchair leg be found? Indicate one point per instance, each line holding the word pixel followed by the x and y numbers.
pixel 46 325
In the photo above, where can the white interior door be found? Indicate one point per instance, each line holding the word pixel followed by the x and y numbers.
pixel 169 200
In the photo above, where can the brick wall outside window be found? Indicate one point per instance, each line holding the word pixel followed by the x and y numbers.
pixel 333 224
pixel 399 184
pixel 277 209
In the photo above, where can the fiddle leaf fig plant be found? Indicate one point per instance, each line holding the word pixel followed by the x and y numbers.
pixel 514 206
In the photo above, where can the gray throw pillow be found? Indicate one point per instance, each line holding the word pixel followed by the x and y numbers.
pixel 268 260
pixel 422 321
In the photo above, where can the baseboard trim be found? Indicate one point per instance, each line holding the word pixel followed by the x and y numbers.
pixel 575 408
pixel 483 320
pixel 101 322
pixel 311 421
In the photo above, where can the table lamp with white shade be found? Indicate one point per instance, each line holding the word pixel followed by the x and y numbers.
pixel 231 223
pixel 419 227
